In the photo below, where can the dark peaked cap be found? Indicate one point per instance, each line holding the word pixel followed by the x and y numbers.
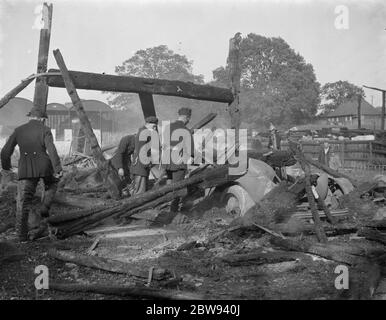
pixel 151 119
pixel 37 112
pixel 185 112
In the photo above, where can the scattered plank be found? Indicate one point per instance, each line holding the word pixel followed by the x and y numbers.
pixel 126 291
pixel 125 205
pixel 343 253
pixel 258 257
pixel 107 264
pixel 372 234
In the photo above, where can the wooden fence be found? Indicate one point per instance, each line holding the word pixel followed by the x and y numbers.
pixel 352 154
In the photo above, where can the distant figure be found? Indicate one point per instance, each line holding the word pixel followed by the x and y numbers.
pixel 139 169
pixel 274 138
pixel 325 153
pixel 34 140
pixel 121 161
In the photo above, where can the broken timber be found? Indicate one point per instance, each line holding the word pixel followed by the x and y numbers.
pixel 41 88
pixel 110 176
pixel 115 83
pixel 105 264
pixel 15 91
pixel 330 171
pixel 126 291
pixel 234 68
pixel 311 200
pixel 125 205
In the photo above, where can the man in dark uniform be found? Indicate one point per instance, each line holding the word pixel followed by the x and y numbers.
pixel 274 138
pixel 325 153
pixel 121 161
pixel 34 140
pixel 139 169
pixel 176 171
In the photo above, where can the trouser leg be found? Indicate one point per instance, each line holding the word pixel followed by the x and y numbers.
pixel 28 191
pixel 175 176
pixel 50 187
pixel 140 184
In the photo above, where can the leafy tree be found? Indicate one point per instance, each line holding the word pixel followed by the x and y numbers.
pixel 277 85
pixel 157 62
pixel 335 93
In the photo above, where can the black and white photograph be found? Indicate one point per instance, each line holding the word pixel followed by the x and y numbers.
pixel 192 155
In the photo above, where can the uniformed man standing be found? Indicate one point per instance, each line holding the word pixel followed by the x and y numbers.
pixel 274 138
pixel 176 171
pixel 121 161
pixel 139 168
pixel 34 140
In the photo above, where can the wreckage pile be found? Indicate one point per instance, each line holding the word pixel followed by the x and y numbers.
pixel 77 221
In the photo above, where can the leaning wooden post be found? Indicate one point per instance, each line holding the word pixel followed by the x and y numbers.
pixel 359 111
pixel 234 67
pixel 383 110
pixel 15 91
pixel 311 201
pixel 41 87
pixel 110 176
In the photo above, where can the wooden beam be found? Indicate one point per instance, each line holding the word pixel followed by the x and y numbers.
pixel 373 88
pixel 110 176
pixel 126 291
pixel 15 91
pixel 41 87
pixel 204 121
pixel 234 75
pixel 383 110
pixel 147 104
pixel 115 83
pixel 311 200
pixel 359 111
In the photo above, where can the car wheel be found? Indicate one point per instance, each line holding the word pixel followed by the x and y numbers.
pixel 237 201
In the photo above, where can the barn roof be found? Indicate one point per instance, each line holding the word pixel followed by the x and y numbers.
pixel 92 105
pixel 56 107
pixel 350 108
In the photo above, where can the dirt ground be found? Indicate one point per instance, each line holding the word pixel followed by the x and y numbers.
pixel 205 268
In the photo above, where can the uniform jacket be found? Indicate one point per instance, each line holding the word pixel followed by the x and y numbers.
pixel 324 158
pixel 179 166
pixel 122 157
pixel 34 140
pixel 139 168
pixel 274 141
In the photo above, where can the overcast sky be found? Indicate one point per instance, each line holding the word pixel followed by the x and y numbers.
pixel 96 36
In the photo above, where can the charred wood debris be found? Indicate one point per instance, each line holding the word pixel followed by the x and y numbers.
pixel 292 221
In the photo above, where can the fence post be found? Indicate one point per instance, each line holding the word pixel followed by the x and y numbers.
pixel 342 151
